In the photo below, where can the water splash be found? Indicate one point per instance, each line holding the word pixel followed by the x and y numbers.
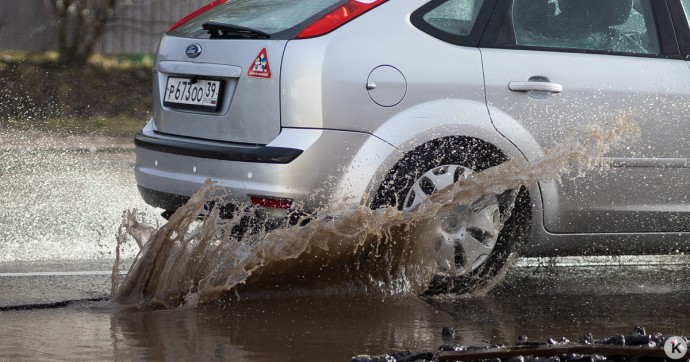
pixel 352 250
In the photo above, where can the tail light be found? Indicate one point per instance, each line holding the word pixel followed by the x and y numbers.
pixel 196 13
pixel 338 17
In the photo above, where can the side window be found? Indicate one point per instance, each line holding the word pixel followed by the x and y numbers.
pixel 456 17
pixel 612 26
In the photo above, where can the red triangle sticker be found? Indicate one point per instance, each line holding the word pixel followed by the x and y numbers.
pixel 260 67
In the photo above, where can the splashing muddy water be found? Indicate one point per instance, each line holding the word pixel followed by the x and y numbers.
pixel 350 250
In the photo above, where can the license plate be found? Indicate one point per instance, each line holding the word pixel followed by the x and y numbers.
pixel 192 93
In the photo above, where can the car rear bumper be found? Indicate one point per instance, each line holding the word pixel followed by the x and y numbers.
pixel 305 165
pixel 164 200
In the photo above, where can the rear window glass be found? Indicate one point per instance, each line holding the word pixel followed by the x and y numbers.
pixel 268 16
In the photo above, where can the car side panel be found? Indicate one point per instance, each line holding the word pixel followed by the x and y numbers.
pixel 324 82
pixel 323 78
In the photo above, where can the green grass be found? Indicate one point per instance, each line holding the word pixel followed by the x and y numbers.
pixel 98 60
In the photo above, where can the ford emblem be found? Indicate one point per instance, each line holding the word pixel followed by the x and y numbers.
pixel 193 50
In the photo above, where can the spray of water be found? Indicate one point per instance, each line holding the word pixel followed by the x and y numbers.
pixel 349 250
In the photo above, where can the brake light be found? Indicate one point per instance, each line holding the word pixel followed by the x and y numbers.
pixel 196 13
pixel 338 17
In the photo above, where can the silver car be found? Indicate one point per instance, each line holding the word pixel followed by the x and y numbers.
pixel 310 103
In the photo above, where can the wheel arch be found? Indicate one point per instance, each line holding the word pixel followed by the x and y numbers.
pixel 443 118
pixel 428 123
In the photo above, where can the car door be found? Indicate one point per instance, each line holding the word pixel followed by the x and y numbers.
pixel 558 66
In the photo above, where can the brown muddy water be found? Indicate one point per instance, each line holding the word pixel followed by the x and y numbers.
pixel 62 208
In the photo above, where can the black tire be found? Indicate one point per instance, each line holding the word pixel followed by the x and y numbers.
pixel 477 156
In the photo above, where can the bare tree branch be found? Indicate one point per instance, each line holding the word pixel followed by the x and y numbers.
pixel 80 24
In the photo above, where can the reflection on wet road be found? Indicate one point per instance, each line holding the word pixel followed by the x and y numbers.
pixel 533 300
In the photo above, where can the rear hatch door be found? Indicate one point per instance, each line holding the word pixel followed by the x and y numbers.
pixel 217 75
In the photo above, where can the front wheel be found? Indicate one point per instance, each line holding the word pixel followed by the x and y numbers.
pixel 474 242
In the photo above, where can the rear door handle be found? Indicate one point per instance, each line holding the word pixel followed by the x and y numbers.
pixel 535 86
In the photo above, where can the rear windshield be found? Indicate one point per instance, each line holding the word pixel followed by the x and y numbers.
pixel 268 16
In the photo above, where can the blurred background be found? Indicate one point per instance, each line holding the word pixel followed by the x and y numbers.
pixel 75 87
pixel 81 66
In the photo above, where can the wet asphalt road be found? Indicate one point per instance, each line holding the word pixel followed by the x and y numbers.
pixel 569 299
pixel 62 202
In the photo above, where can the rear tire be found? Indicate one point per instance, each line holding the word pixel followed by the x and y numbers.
pixel 414 175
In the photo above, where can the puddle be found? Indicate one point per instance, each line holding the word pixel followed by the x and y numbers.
pixel 531 301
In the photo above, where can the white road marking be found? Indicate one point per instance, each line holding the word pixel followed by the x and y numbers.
pixel 623 260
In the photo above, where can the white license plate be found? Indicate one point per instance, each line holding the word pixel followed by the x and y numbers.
pixel 192 93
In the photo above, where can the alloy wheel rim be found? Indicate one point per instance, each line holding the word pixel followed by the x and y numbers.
pixel 464 235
